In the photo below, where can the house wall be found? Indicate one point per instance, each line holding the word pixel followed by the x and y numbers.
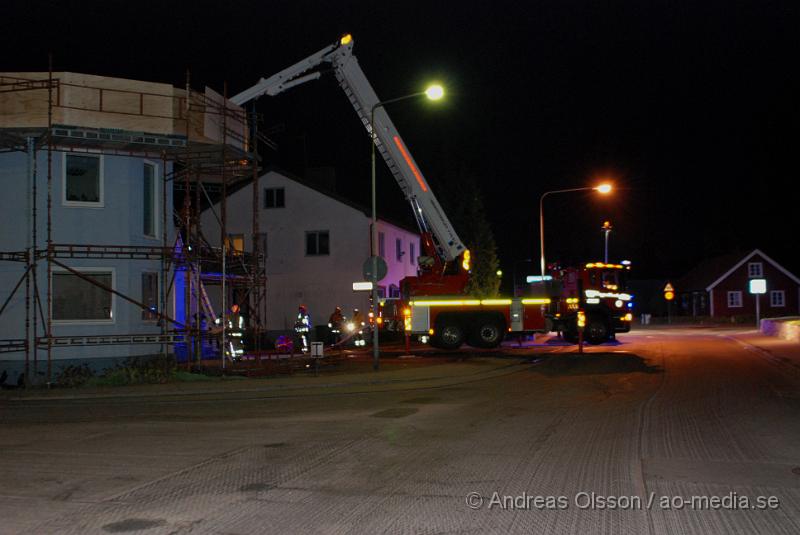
pixel 293 278
pixel 117 222
pixel 738 280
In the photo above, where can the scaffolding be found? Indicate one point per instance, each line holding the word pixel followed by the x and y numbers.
pixel 200 168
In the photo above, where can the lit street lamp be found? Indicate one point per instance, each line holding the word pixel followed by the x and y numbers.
pixel 602 188
pixel 433 92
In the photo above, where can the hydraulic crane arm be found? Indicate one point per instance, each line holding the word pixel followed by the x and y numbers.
pixel 439 237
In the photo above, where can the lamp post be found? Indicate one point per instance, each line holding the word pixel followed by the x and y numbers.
pixel 433 92
pixel 602 188
pixel 606 228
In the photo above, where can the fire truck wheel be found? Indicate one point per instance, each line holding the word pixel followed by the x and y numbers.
pixel 449 336
pixel 596 330
pixel 486 334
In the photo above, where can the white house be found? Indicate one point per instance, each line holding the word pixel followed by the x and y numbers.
pixel 316 243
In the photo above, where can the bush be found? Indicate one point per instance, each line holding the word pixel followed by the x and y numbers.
pixel 74 375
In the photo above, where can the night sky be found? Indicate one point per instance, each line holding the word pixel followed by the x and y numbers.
pixel 690 108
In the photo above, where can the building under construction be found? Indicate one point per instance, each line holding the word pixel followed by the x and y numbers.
pixel 102 255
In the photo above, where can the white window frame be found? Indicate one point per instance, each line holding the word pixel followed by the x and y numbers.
pixel 317 232
pixel 158 296
pixel 82 204
pixel 731 294
pixel 82 269
pixel 759 274
pixel 772 294
pixel 153 236
pixel 275 196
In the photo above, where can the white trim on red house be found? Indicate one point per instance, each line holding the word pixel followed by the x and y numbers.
pixel 745 259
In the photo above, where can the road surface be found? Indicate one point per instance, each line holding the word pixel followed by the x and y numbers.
pixel 667 432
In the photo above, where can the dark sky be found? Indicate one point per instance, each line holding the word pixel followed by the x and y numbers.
pixel 690 107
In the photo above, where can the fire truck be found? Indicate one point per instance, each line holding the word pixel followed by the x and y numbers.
pixel 599 291
pixel 433 303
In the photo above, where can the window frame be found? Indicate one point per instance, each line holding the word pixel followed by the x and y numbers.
pixel 750 266
pixel 100 179
pixel 87 270
pixel 154 319
pixel 317 233
pixel 274 198
pixel 411 252
pixel 153 236
pixel 772 294
pixel 732 293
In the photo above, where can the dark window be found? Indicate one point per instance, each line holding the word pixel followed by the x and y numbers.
pixel 77 299
pixel 317 243
pixel 82 179
pixel 381 292
pixel 149 198
pixel 274 198
pixel 394 291
pixel 381 244
pixel 412 253
pixel 150 295
pixel 398 246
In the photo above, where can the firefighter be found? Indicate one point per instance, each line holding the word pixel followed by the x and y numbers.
pixel 335 324
pixel 234 324
pixel 358 328
pixel 302 326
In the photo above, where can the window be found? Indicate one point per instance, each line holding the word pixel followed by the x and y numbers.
pixel 777 298
pixel 236 244
pixel 317 243
pixel 149 200
pixel 150 296
pixel 411 253
pixel 381 292
pixel 754 270
pixel 83 180
pixel 76 299
pixel 734 299
pixel 399 249
pixel 381 245
pixel 274 198
pixel 394 291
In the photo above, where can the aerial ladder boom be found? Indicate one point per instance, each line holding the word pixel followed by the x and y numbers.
pixel 439 238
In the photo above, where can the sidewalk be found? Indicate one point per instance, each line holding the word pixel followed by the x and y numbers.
pixel 781 352
pixel 434 372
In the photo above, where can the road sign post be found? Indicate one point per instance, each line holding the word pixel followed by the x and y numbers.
pixel 758 287
pixel 669 295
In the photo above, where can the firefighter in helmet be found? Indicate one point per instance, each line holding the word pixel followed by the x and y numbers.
pixel 302 327
pixel 335 324
pixel 234 324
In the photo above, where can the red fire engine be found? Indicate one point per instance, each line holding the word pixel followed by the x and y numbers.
pixel 433 303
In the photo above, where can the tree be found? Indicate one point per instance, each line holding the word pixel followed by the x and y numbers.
pixel 463 203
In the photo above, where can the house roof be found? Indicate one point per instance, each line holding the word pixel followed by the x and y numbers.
pixel 748 257
pixel 706 272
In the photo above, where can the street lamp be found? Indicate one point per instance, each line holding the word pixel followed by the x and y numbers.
pixel 604 188
pixel 433 92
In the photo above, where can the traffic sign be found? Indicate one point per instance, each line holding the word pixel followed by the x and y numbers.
pixel 382 268
pixel 669 292
pixel 758 286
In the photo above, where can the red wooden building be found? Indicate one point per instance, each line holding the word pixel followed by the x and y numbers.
pixel 728 294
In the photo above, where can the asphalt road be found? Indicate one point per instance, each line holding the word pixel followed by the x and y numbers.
pixel 667 432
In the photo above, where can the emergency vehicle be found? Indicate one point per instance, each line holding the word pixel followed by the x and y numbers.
pixel 433 303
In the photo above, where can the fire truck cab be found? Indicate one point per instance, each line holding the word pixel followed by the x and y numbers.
pixel 600 291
